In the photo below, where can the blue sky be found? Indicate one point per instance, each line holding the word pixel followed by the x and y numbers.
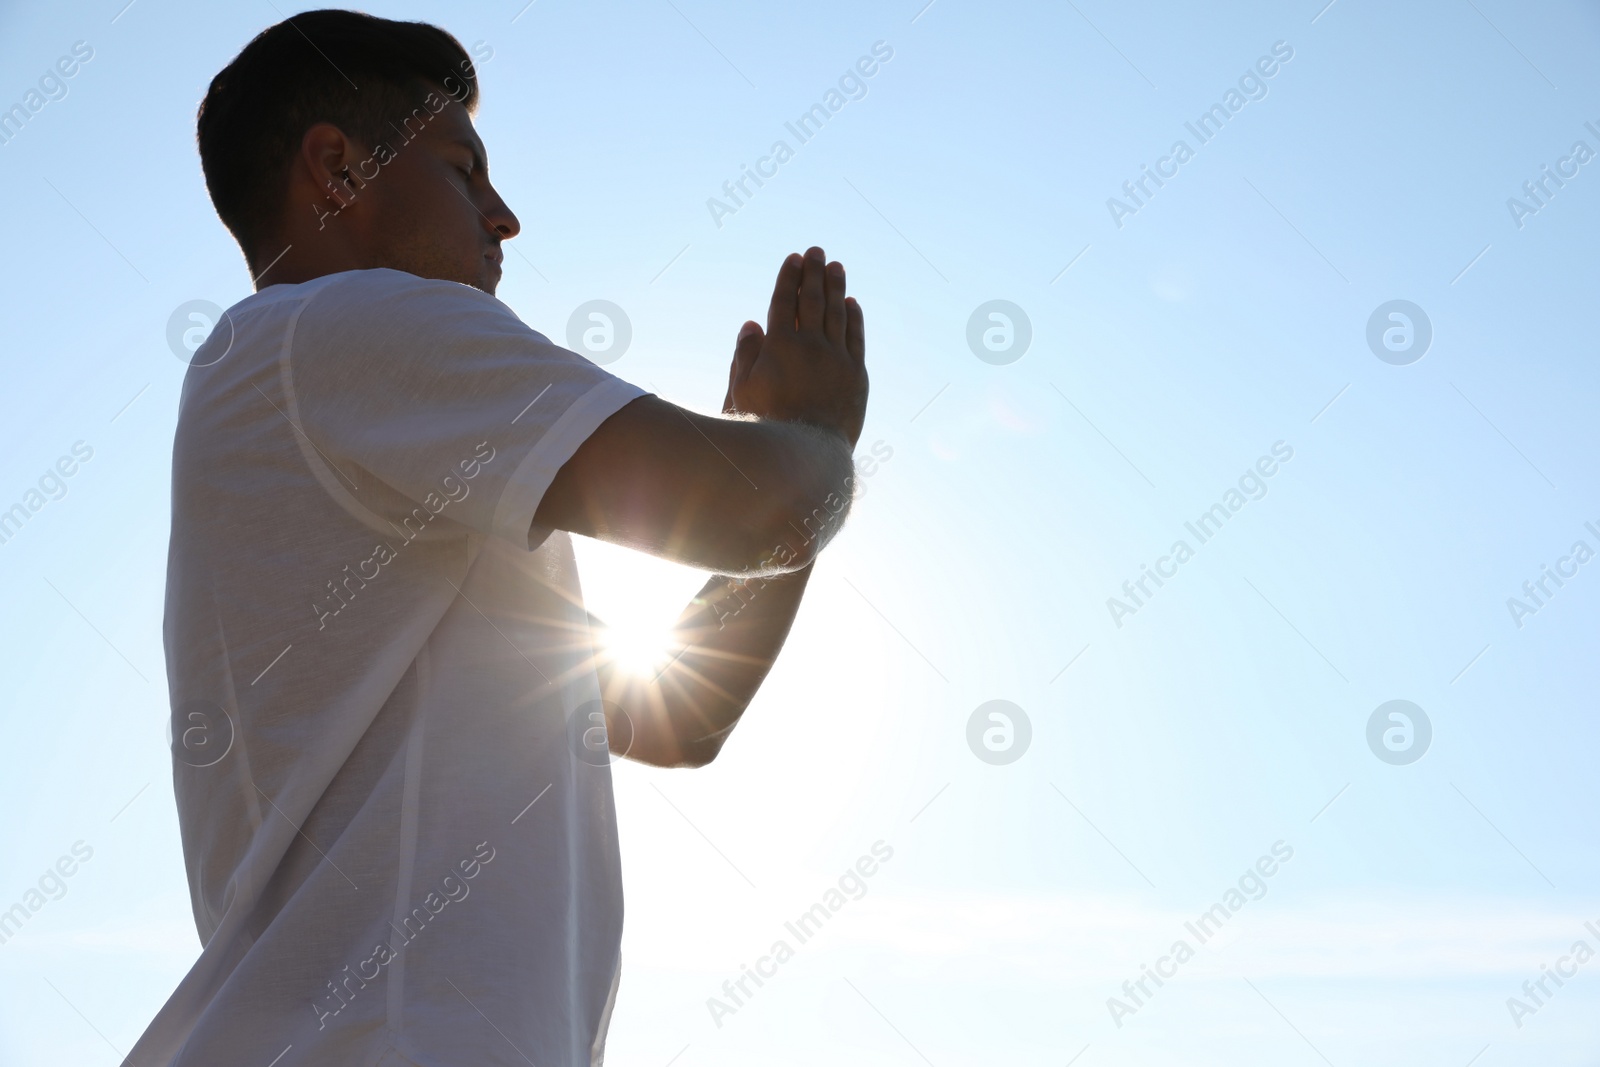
pixel 1167 356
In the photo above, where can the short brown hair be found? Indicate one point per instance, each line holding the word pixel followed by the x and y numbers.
pixel 356 71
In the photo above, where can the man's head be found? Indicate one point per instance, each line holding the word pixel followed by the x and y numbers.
pixel 341 141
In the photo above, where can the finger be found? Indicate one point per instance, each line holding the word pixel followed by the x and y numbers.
pixel 785 296
pixel 813 301
pixel 855 337
pixel 745 350
pixel 834 316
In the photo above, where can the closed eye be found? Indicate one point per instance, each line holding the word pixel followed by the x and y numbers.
pixel 475 162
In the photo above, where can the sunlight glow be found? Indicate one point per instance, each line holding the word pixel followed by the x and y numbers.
pixel 637 645
pixel 638 598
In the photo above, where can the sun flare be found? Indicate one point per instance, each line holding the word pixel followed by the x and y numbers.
pixel 638 646
pixel 638 600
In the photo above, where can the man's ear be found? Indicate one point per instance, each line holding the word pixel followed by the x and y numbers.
pixel 329 159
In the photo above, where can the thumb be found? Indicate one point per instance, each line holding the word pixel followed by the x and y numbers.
pixel 745 350
pixel 744 357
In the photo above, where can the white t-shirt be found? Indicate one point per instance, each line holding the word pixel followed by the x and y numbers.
pixel 401 846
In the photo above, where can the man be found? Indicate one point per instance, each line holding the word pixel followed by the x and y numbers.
pixel 389 722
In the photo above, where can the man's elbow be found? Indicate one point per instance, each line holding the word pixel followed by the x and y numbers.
pixel 679 755
pixel 660 743
pixel 675 756
pixel 699 754
pixel 700 751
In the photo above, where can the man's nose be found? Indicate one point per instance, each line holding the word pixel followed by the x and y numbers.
pixel 503 219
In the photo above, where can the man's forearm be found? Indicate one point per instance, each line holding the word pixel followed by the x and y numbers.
pixel 712 492
pixel 723 646
pixel 817 463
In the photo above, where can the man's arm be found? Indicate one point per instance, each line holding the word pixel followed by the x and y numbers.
pixel 722 493
pixel 757 498
pixel 722 646
pixel 714 493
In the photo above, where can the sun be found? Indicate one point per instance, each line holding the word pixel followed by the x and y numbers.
pixel 637 600
pixel 637 645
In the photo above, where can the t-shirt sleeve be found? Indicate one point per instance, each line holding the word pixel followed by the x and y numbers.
pixel 441 393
